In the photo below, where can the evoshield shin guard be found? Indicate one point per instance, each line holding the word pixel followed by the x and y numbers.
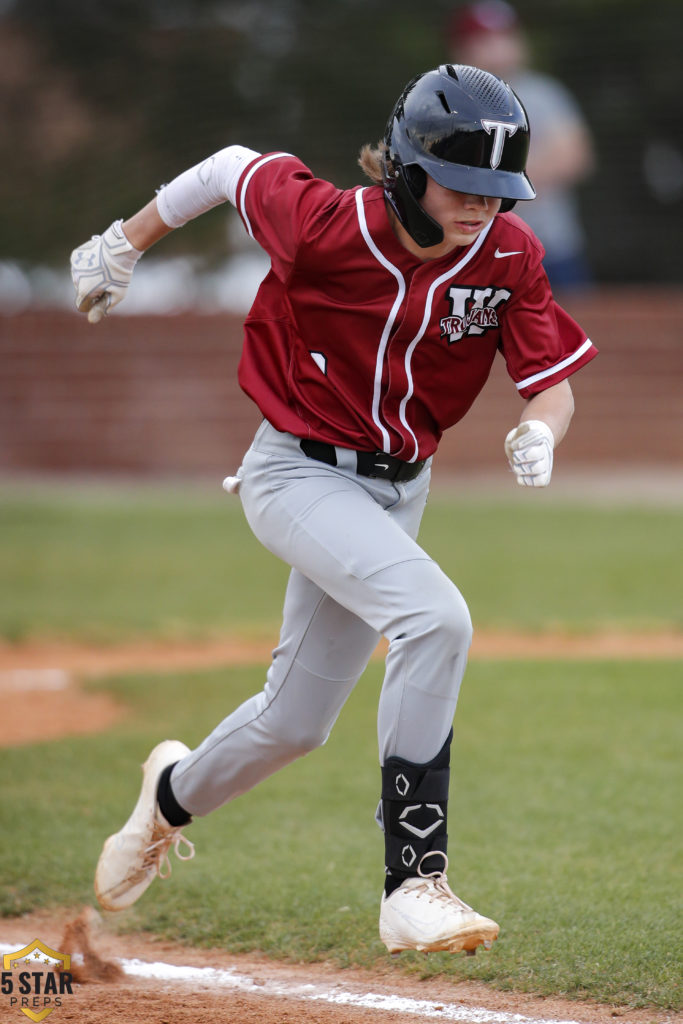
pixel 414 812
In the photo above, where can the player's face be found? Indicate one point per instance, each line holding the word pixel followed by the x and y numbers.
pixel 461 216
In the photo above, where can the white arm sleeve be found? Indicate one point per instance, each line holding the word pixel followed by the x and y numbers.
pixel 208 184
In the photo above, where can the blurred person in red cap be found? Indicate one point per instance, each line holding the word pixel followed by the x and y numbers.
pixel 489 35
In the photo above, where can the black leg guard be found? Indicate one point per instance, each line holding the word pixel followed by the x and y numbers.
pixel 414 811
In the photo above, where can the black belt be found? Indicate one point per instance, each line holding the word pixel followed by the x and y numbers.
pixel 371 464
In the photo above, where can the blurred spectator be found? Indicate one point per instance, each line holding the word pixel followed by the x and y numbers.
pixel 488 34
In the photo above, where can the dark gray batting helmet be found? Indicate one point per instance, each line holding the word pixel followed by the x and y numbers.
pixel 466 129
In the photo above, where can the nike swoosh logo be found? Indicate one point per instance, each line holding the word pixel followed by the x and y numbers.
pixel 499 255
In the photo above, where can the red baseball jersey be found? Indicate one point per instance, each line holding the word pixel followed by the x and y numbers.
pixel 354 341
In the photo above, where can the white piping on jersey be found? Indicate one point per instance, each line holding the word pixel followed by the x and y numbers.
pixel 556 368
pixel 261 162
pixel 379 364
pixel 473 250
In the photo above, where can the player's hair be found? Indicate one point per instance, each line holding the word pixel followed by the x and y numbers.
pixel 373 161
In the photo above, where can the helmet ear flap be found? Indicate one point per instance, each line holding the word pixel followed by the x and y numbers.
pixel 416 179
pixel 506 205
pixel 402 191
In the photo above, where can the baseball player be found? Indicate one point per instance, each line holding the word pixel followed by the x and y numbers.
pixel 374 331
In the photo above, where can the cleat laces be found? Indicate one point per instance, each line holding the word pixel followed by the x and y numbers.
pixel 156 853
pixel 435 885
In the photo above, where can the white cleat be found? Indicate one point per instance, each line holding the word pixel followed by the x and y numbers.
pixel 132 858
pixel 425 914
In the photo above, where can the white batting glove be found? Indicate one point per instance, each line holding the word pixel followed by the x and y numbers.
pixel 529 448
pixel 101 270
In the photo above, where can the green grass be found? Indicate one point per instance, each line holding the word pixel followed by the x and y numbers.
pixel 565 816
pixel 107 566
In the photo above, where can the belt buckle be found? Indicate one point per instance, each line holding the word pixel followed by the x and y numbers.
pixel 375 465
pixel 387 463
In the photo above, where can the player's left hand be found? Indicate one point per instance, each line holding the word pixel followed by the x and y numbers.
pixel 529 448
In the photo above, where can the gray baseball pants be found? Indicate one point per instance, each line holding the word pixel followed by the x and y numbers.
pixel 357 574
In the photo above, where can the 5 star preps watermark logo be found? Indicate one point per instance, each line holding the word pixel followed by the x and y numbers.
pixel 473 311
pixel 35 980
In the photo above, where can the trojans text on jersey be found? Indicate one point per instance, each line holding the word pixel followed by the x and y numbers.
pixel 472 311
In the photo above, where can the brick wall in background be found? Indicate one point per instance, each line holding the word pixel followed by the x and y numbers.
pixel 158 395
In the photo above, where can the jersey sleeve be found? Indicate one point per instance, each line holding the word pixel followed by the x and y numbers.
pixel 542 344
pixel 281 204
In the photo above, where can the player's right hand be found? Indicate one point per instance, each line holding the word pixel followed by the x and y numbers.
pixel 101 270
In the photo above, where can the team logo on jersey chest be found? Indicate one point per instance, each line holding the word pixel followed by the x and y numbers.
pixel 473 311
